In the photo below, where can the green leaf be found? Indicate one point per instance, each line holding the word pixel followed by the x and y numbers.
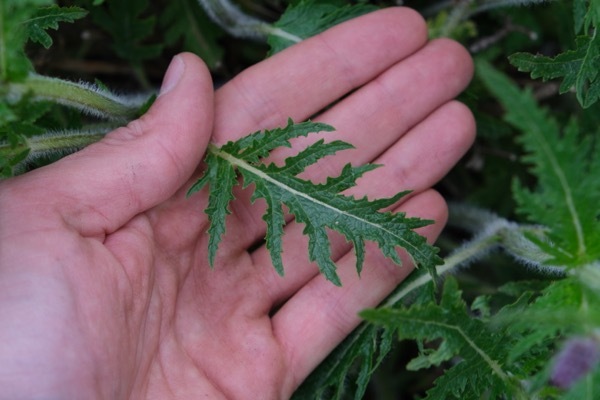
pixel 586 14
pixel 477 351
pixel 557 310
pixel 48 18
pixel 14 64
pixel 567 168
pixel 129 28
pixel 25 20
pixel 320 207
pixel 365 349
pixel 308 18
pixel 350 366
pixel 184 20
pixel 578 68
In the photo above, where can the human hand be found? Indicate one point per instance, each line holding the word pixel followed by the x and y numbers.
pixel 105 291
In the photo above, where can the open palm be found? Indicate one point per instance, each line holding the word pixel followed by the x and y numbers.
pixel 105 291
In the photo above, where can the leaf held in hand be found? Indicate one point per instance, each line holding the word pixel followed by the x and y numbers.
pixel 320 207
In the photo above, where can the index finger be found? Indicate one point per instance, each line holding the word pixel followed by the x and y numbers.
pixel 307 77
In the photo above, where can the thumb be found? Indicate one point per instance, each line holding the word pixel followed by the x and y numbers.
pixel 141 165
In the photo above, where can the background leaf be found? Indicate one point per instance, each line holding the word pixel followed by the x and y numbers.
pixel 566 196
pixel 184 22
pixel 479 371
pixel 129 27
pixel 578 68
pixel 309 17
pixel 48 18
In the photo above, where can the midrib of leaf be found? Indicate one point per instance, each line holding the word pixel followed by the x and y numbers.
pixel 244 165
pixel 271 30
pixel 486 358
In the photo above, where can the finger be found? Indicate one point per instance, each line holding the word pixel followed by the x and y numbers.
pixel 323 315
pixel 378 114
pixel 303 79
pixel 417 161
pixel 135 167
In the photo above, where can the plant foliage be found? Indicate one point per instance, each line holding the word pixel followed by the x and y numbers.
pixel 129 27
pixel 22 22
pixel 479 371
pixel 308 18
pixel 567 192
pixel 578 67
pixel 48 18
pixel 318 206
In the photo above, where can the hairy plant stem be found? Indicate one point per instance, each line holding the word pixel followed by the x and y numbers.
pixel 62 142
pixel 84 97
pixel 487 5
pixel 239 24
pixel 460 257
pixel 55 143
pixel 455 17
pixel 464 9
pixel 491 232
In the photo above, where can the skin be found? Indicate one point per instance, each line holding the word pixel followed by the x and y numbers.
pixel 105 291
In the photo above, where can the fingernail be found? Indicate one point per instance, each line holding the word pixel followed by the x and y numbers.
pixel 173 75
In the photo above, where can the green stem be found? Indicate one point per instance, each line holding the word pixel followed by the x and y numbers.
pixel 84 97
pixel 455 17
pixel 467 253
pixel 233 20
pixel 64 142
pixel 492 4
pixel 59 143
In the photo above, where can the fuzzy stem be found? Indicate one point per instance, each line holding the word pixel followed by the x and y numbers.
pixel 492 4
pixel 239 24
pixel 515 239
pixel 455 17
pixel 84 97
pixel 233 20
pixel 55 143
pixel 462 256
pixel 492 232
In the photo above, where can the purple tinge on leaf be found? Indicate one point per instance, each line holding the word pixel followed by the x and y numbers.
pixel 577 357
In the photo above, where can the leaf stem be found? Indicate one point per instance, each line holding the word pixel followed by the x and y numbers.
pixel 85 97
pixel 233 20
pixel 492 4
pixel 239 24
pixel 63 141
pixel 53 143
pixel 491 232
pixel 460 257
